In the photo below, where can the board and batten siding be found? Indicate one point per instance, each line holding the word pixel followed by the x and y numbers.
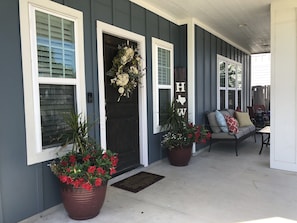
pixel 207 47
pixel 29 190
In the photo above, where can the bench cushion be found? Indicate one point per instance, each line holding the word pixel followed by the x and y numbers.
pixel 213 122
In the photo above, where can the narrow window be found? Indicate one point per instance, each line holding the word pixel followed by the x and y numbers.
pixel 163 79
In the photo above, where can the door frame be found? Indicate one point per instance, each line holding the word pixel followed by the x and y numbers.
pixel 142 101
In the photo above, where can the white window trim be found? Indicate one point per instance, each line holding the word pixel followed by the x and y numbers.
pixel 157 43
pixel 226 88
pixel 35 154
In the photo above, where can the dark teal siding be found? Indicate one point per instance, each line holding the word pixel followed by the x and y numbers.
pixel 28 190
pixel 207 46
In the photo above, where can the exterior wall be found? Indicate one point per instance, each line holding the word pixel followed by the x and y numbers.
pixel 283 149
pixel 28 190
pixel 22 187
pixel 207 46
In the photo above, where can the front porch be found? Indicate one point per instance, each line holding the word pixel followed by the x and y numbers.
pixel 215 187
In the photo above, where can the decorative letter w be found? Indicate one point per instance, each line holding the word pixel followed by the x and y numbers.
pixel 181 111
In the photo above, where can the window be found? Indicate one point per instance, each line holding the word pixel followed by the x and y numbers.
pixel 162 62
pixel 53 73
pixel 229 83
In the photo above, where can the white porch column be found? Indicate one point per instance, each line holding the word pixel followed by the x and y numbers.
pixel 191 73
pixel 283 150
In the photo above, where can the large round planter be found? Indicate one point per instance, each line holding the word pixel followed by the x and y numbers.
pixel 180 156
pixel 82 204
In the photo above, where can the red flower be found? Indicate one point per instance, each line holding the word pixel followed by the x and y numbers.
pixel 114 160
pixel 100 170
pixel 76 183
pixel 197 134
pixel 105 156
pixel 190 136
pixel 63 163
pixel 208 136
pixel 87 169
pixel 112 170
pixel 69 180
pixel 72 159
pixel 63 178
pixel 98 182
pixel 91 169
pixel 87 158
pixel 87 186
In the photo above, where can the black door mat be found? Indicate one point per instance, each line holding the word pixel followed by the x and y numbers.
pixel 138 181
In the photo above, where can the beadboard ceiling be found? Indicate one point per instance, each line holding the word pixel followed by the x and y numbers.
pixel 243 23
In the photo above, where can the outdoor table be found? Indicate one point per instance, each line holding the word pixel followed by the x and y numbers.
pixel 265 140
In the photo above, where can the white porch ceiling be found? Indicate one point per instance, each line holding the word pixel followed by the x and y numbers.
pixel 243 23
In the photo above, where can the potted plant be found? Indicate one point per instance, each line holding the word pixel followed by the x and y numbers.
pixel 180 137
pixel 83 171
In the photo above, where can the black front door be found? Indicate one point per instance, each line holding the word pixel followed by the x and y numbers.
pixel 122 129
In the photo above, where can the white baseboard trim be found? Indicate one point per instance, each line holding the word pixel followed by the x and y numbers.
pixel 200 151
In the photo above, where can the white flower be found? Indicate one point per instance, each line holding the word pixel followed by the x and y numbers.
pixel 124 60
pixel 121 90
pixel 128 56
pixel 129 53
pixel 133 70
pixel 122 79
pixel 113 80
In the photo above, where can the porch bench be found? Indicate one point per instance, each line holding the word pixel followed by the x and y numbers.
pixel 245 129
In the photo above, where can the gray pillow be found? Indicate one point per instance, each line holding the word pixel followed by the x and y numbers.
pixel 225 112
pixel 231 111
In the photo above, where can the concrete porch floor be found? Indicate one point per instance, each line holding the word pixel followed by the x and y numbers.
pixel 214 187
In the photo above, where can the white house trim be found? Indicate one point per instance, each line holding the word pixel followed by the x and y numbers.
pixel 150 7
pixel 283 149
pixel 142 101
pixel 191 73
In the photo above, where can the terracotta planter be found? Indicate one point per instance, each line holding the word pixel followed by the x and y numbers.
pixel 180 156
pixel 82 204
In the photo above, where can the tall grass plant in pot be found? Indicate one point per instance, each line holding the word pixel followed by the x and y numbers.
pixel 180 137
pixel 83 171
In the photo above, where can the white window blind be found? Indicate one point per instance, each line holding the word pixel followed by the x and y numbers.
pixel 56 49
pixel 55 102
pixel 164 66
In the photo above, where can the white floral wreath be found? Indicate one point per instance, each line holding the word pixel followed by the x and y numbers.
pixel 126 70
